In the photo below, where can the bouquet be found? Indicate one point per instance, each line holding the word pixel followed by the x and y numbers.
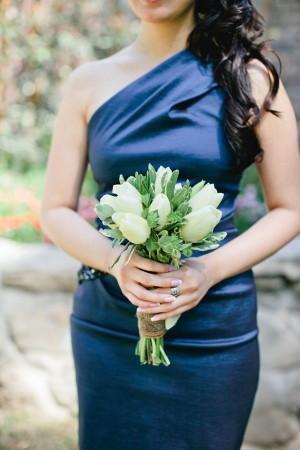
pixel 160 219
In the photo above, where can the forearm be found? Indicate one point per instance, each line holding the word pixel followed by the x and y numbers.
pixel 69 231
pixel 258 242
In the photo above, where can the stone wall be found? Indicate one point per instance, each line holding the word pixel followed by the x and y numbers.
pixel 36 368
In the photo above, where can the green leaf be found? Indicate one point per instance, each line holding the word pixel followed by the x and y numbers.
pixel 163 178
pixel 169 244
pixel 151 245
pixel 204 246
pixel 187 251
pixel 151 173
pixel 176 253
pixel 197 187
pixel 171 184
pixel 115 233
pixel 164 258
pixel 163 233
pixel 181 195
pixel 184 208
pixel 103 211
pixel 152 218
pixel 174 217
pixel 218 236
pixel 146 199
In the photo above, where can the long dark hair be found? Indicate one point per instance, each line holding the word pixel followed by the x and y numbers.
pixel 226 34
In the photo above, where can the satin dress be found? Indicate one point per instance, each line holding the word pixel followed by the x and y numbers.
pixel 171 115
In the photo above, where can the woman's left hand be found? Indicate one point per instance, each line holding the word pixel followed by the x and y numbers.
pixel 197 277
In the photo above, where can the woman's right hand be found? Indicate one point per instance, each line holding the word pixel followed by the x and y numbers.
pixel 134 278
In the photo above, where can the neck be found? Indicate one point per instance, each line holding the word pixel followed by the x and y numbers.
pixel 158 39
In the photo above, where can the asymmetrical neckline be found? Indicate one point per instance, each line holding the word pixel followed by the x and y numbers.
pixel 109 102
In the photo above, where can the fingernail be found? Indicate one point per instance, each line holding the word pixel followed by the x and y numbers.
pixel 154 318
pixel 169 298
pixel 172 268
pixel 176 282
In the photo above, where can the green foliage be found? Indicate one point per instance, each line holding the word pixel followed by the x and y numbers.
pixel 41 44
pixel 164 244
pixel 20 197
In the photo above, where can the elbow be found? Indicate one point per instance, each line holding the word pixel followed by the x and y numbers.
pixel 296 214
pixel 43 218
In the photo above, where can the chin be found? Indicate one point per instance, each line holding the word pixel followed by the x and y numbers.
pixel 158 10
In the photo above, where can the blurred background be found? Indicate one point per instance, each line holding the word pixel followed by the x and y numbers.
pixel 41 43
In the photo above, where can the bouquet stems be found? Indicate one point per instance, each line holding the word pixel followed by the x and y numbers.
pixel 150 347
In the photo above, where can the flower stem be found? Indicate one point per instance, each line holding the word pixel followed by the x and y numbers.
pixel 151 351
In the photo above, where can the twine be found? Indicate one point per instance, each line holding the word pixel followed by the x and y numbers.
pixel 147 328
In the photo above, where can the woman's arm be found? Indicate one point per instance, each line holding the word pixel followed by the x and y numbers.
pixel 59 218
pixel 279 173
pixel 280 176
pixel 65 171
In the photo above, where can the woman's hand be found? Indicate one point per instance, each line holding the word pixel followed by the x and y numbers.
pixel 134 278
pixel 197 277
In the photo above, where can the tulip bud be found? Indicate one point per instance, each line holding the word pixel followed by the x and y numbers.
pixel 126 203
pixel 200 223
pixel 109 200
pixel 133 227
pixel 126 188
pixel 128 199
pixel 162 205
pixel 159 174
pixel 208 195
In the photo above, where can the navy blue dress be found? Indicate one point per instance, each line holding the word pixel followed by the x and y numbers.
pixel 171 115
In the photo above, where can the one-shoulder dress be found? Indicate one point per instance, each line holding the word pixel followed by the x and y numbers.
pixel 172 116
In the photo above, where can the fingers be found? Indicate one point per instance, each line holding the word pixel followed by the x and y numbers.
pixel 182 290
pixel 149 264
pixel 138 302
pixel 150 280
pixel 176 311
pixel 149 295
pixel 167 310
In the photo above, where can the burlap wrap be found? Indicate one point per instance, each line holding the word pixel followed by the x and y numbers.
pixel 147 328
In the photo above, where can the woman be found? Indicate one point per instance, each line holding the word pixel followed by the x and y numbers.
pixel 194 91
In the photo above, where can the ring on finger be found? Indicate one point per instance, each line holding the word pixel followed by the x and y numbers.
pixel 175 291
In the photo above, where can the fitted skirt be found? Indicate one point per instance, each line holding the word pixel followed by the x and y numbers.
pixel 202 401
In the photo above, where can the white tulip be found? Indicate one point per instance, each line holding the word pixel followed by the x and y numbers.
pixel 200 223
pixel 159 174
pixel 171 321
pixel 109 200
pixel 133 227
pixel 126 203
pixel 128 199
pixel 162 205
pixel 126 188
pixel 207 195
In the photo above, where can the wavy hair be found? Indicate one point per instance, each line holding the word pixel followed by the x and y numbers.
pixel 227 34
